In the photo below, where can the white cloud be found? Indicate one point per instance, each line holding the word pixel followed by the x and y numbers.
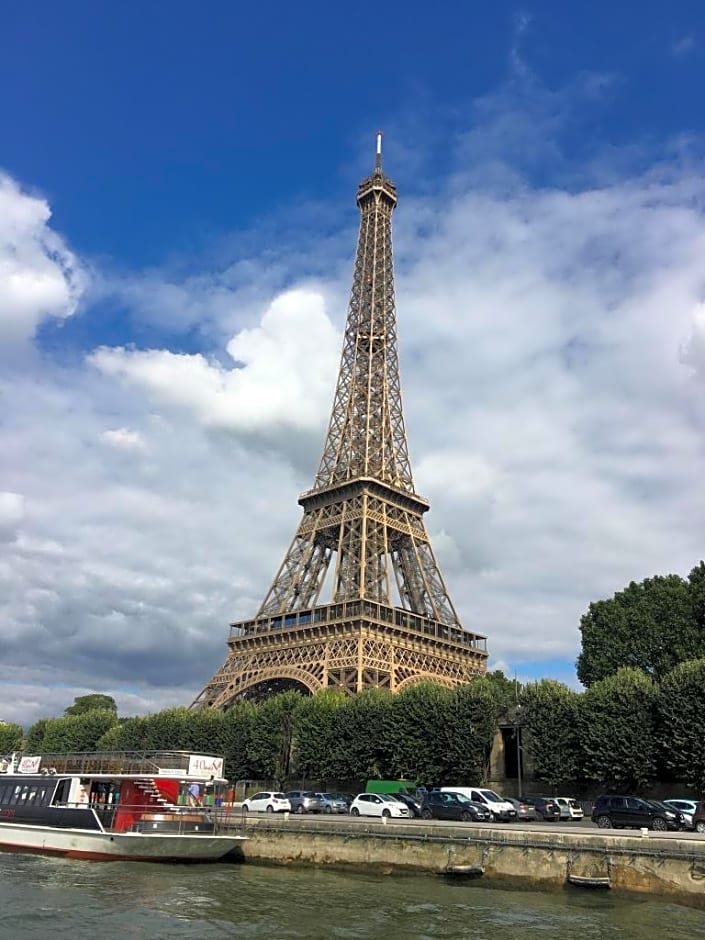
pixel 124 439
pixel 12 510
pixel 282 377
pixel 693 351
pixel 39 276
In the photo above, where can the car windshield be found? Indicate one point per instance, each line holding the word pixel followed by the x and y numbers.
pixel 278 796
pixel 309 793
pixel 388 798
pixel 491 795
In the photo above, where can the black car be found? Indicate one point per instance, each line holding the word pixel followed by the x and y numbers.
pixel 413 804
pixel 631 812
pixel 546 808
pixel 437 805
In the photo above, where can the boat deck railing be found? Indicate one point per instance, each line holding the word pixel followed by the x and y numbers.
pixel 149 763
pixel 171 820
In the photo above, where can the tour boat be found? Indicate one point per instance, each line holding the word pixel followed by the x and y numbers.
pixel 154 806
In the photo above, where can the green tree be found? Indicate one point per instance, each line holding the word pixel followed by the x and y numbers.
pixel 167 730
pixel 11 736
pixel 650 626
pixel 316 734
pixel 77 732
pixel 504 690
pixel 365 735
pixel 128 734
pixel 616 725
pixel 548 721
pixel 93 702
pixel 471 724
pixel 680 708
pixel 420 730
pixel 238 724
pixel 272 737
pixel 34 741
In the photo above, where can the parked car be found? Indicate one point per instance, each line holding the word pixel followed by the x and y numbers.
pixel 455 806
pixel 304 801
pixel 379 804
pixel 546 808
pixel 500 808
pixel 266 801
pixel 687 807
pixel 348 797
pixel 699 818
pixel 413 804
pixel 631 812
pixel 570 808
pixel 524 810
pixel 333 803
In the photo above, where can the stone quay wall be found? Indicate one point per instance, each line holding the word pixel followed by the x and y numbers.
pixel 673 868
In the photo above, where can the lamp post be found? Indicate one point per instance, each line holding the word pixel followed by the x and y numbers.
pixel 517 732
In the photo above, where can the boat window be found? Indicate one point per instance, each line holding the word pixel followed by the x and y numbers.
pixel 15 794
pixel 62 792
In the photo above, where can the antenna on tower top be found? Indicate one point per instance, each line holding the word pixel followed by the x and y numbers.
pixel 378 158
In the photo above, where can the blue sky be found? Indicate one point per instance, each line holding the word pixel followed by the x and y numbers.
pixel 177 226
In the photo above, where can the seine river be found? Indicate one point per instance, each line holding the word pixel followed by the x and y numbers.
pixel 52 898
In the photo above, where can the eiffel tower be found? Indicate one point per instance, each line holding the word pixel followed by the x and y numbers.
pixel 362 543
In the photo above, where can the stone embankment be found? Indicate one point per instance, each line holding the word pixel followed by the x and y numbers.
pixel 657 864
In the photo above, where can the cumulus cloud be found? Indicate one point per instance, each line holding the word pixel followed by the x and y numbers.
pixel 39 276
pixel 274 380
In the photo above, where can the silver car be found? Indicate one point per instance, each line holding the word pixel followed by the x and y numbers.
pixel 332 803
pixel 305 801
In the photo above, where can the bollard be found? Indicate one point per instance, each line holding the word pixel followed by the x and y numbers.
pixel 644 832
pixel 286 814
pixel 384 820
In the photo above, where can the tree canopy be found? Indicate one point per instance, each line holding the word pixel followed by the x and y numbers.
pixel 93 702
pixel 651 626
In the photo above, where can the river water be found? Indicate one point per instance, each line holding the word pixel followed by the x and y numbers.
pixel 54 898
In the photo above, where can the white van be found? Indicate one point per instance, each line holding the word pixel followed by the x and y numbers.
pixel 570 808
pixel 500 808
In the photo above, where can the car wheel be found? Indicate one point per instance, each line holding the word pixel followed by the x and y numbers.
pixel 466 817
pixel 386 814
pixel 700 826
pixel 299 809
pixel 270 808
pixel 327 809
pixel 659 824
pixel 426 814
pixel 354 811
pixel 604 822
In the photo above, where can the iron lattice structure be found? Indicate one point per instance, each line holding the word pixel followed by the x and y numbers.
pixel 390 620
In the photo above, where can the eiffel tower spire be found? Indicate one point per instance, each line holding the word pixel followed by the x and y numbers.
pixel 389 618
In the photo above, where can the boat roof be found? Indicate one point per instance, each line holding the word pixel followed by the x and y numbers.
pixel 179 765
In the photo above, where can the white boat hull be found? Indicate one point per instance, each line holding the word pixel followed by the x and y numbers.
pixel 114 846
